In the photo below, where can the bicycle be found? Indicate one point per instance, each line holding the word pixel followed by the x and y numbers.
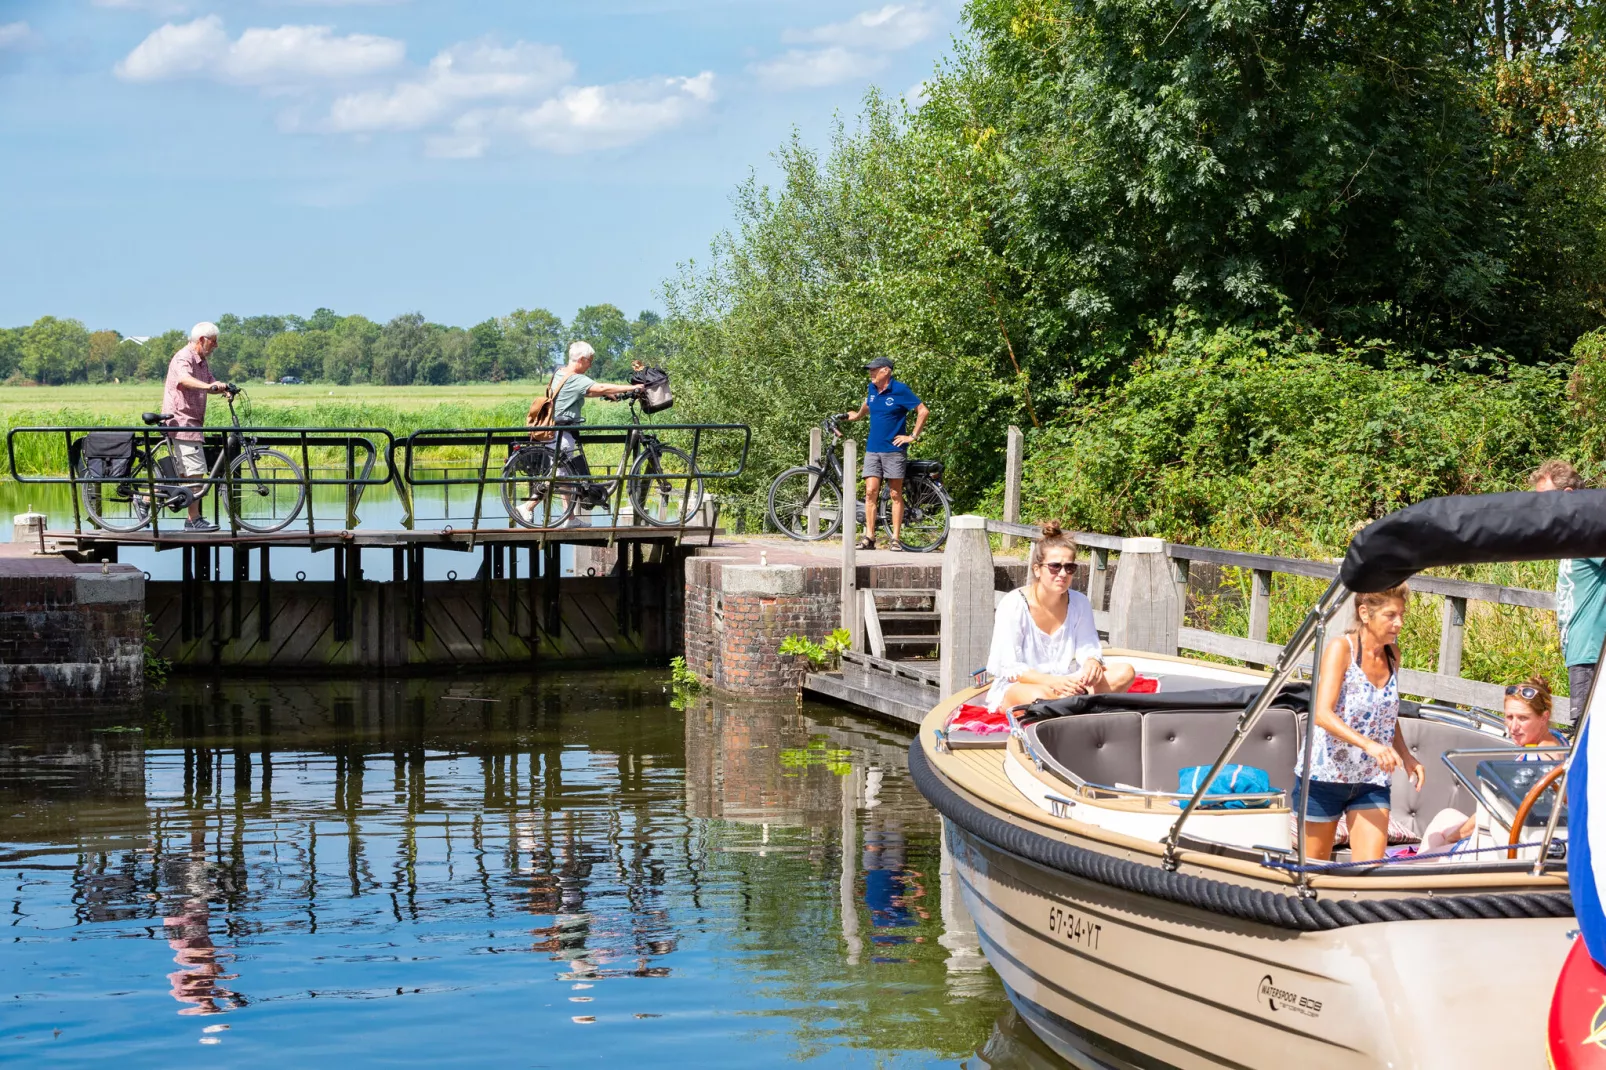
pixel 805 502
pixel 553 479
pixel 123 483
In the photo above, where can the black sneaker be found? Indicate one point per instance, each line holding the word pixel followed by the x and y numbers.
pixel 200 525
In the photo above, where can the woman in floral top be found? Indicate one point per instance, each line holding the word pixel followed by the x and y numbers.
pixel 1355 747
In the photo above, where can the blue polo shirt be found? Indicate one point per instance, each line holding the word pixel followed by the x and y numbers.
pixel 889 412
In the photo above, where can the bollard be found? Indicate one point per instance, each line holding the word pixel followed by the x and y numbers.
pixel 28 528
pixel 1144 611
pixel 966 602
pixel 816 460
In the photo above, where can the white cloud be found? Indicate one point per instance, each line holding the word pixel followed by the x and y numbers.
pixel 14 34
pixel 813 68
pixel 287 55
pixel 465 73
pixel 584 118
pixel 889 29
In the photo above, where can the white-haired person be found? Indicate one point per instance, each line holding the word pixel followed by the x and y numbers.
pixel 189 381
pixel 568 388
pixel 1045 644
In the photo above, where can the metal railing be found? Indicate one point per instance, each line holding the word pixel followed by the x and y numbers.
pixel 498 446
pixel 357 452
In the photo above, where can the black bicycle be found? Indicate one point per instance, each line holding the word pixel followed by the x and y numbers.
pixel 806 502
pixel 545 482
pixel 123 481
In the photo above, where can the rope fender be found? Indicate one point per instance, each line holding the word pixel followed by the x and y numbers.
pixel 1219 897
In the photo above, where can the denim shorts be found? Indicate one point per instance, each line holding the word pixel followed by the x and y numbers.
pixel 1331 800
pixel 885 465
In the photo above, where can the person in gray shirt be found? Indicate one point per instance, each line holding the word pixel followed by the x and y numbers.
pixel 569 388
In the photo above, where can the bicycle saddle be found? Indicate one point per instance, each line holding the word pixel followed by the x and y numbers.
pixel 155 418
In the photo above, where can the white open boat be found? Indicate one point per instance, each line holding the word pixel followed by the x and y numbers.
pixel 1136 927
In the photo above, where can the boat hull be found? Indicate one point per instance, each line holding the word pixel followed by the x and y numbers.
pixel 1115 979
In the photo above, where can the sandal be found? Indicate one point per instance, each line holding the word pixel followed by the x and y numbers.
pixel 867 543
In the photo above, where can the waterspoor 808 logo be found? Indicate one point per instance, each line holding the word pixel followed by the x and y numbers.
pixel 1283 999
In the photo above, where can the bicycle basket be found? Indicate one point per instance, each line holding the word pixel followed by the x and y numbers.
pixel 658 395
pixel 107 454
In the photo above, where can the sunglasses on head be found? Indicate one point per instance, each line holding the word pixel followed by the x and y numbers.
pixel 1526 692
pixel 1056 567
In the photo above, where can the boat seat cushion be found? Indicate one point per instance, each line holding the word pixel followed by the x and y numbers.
pixel 1101 748
pixel 1172 741
pixel 1428 740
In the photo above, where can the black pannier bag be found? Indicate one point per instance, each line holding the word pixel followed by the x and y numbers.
pixel 107 455
pixel 656 380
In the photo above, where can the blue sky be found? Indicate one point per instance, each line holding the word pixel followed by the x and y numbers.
pixel 171 160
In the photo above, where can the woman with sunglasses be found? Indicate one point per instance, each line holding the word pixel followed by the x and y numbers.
pixel 1044 642
pixel 1528 724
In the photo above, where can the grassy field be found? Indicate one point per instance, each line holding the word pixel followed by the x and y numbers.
pixel 117 400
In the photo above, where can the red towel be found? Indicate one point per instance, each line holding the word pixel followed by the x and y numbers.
pixel 1144 685
pixel 979 719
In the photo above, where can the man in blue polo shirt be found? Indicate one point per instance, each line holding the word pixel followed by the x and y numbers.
pixel 886 452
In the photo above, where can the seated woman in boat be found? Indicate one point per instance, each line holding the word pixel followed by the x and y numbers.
pixel 1528 724
pixel 1044 642
pixel 1355 748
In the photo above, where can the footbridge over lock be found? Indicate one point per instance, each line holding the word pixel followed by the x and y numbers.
pixel 440 549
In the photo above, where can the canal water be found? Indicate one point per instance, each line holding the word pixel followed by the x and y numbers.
pixel 483 871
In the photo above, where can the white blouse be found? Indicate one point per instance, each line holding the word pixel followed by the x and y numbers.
pixel 1019 644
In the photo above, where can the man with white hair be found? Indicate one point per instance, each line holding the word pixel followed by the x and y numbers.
pixel 569 388
pixel 189 381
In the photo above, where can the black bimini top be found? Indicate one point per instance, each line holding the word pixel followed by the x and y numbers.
pixel 1474 529
pixel 1295 696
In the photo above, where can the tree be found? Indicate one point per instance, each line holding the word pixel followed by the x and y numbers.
pixel 287 355
pixel 54 350
pixel 349 356
pixel 532 343
pixel 606 328
pixel 10 351
pixel 406 344
pixel 324 319
pixel 102 355
pixel 483 361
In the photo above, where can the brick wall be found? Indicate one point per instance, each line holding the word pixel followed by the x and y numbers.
pixel 71 636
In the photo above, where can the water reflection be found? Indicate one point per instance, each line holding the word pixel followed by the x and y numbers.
pixel 402 869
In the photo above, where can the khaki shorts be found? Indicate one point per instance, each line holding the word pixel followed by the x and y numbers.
pixel 190 457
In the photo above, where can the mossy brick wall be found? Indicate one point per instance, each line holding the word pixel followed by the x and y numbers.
pixel 71 636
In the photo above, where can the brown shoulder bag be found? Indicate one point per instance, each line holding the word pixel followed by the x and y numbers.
pixel 541 412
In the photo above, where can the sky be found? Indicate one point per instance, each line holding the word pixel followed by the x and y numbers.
pixel 167 161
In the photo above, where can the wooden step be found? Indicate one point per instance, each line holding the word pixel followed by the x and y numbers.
pixel 908 614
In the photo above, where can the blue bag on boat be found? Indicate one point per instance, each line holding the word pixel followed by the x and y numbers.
pixel 1232 780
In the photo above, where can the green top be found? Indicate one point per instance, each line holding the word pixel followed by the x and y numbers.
pixel 571 397
pixel 1581 608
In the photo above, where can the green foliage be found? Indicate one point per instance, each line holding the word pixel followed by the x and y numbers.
pixel 683 683
pixel 838 761
pixel 1225 436
pixel 156 668
pixel 820 656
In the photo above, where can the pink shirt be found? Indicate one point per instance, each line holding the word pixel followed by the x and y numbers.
pixel 187 407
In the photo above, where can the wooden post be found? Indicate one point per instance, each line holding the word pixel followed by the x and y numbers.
pixel 874 638
pixel 1179 569
pixel 850 532
pixel 1144 614
pixel 1452 631
pixel 816 456
pixel 966 603
pixel 1260 605
pixel 1012 479
pixel 1098 579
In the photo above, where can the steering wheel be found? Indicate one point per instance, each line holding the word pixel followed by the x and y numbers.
pixel 1528 801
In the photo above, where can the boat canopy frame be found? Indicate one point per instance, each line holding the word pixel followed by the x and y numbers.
pixel 1455 530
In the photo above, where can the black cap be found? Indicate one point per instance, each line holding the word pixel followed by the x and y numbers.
pixel 879 362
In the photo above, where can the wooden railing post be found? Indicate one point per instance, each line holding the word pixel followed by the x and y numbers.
pixel 966 602
pixel 1452 632
pixel 1179 566
pixel 1012 479
pixel 1260 605
pixel 816 455
pixel 850 534
pixel 1144 610
pixel 1098 579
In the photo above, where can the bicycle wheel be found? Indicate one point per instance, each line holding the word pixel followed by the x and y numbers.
pixel 266 492
pixel 533 495
pixel 665 489
pixel 117 504
pixel 925 516
pixel 806 504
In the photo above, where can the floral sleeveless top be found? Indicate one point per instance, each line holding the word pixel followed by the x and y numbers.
pixel 1369 710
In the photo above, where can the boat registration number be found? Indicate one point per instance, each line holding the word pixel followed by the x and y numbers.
pixel 1073 928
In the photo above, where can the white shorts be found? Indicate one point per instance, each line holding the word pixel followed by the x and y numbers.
pixel 190 457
